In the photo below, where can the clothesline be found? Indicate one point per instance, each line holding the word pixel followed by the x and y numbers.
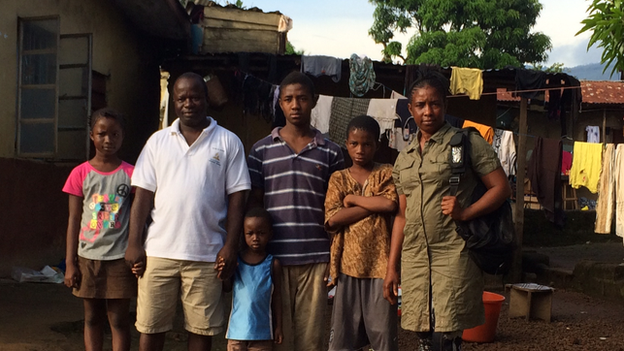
pixel 519 91
pixel 379 85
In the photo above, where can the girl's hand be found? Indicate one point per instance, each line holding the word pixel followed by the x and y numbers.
pixel 278 335
pixel 72 275
pixel 135 255
pixel 138 269
pixel 326 278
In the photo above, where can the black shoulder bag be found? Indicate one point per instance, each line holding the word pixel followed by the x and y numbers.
pixel 490 238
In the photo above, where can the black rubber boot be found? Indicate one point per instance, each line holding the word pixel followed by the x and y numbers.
pixel 424 345
pixel 443 342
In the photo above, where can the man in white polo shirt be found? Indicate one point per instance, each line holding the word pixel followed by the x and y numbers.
pixel 193 178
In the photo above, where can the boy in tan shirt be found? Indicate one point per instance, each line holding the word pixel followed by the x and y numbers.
pixel 359 204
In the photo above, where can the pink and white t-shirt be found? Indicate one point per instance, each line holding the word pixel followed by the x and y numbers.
pixel 105 210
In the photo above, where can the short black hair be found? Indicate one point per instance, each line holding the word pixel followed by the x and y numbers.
pixel 197 77
pixel 298 78
pixel 107 112
pixel 365 123
pixel 259 212
pixel 434 79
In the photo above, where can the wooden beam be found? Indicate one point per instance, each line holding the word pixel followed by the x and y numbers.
pixel 516 270
pixel 216 24
pixel 231 40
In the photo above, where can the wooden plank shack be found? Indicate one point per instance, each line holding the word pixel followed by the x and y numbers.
pixel 234 30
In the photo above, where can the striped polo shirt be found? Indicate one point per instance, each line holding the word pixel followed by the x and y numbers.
pixel 294 194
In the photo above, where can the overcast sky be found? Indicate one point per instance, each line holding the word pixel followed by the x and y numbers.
pixel 340 27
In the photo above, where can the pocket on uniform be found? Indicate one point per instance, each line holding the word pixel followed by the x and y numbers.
pixel 408 177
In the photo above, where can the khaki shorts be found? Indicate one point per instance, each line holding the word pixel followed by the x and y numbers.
pixel 105 280
pixel 304 303
pixel 256 345
pixel 195 283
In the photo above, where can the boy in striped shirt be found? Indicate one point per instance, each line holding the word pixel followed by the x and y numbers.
pixel 289 171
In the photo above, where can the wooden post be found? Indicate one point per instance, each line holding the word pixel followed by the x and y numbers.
pixel 604 125
pixel 516 270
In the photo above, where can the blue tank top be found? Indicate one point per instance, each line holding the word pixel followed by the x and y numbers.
pixel 252 289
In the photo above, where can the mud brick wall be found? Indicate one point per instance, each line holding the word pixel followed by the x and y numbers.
pixel 34 212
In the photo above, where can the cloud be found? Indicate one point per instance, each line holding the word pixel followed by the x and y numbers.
pixel 574 54
pixel 337 38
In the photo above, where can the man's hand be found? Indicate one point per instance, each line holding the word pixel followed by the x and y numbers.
pixel 391 286
pixel 135 258
pixel 450 207
pixel 226 262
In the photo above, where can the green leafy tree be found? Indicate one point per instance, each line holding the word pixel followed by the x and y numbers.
pixel 290 50
pixel 605 20
pixel 466 33
pixel 556 67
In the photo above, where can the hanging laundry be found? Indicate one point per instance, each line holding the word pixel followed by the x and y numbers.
pixel 554 104
pixel 384 112
pixel 343 110
pixel 258 97
pixel 566 162
pixel 279 120
pixel 362 76
pixel 545 176
pixel 593 134
pixel 586 165
pixel 570 97
pixel 606 195
pixel 618 168
pixel 396 95
pixel 529 80
pixel 406 121
pixel 397 140
pixel 322 66
pixel 321 113
pixel 486 132
pixel 276 96
pixel 196 14
pixel 505 147
pixel 467 81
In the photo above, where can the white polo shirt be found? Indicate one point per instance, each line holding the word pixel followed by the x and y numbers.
pixel 191 186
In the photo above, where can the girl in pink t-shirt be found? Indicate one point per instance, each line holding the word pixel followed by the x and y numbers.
pixel 97 234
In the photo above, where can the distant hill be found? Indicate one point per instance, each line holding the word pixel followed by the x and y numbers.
pixel 592 71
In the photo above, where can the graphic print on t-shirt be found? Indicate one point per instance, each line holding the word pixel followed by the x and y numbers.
pixel 105 210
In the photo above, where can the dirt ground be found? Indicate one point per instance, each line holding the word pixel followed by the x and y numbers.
pixel 46 317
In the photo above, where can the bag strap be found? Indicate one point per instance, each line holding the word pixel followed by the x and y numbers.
pixel 459 153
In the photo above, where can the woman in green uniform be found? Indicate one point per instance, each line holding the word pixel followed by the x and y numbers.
pixel 441 286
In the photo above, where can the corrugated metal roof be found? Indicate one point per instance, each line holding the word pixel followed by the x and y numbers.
pixel 603 92
pixel 593 92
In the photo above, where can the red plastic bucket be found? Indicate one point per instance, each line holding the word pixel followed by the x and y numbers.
pixel 486 332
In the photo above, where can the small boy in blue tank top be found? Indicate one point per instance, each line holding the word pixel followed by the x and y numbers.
pixel 256 318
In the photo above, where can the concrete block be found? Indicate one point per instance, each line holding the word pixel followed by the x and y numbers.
pixel 531 301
